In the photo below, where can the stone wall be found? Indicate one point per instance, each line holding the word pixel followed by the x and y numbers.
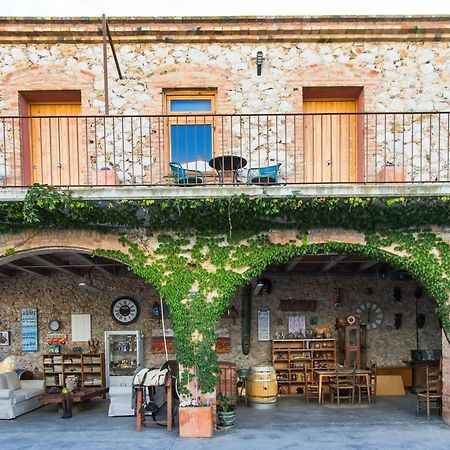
pixel 388 346
pixel 59 296
pixel 394 76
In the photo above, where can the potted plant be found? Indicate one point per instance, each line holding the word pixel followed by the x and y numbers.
pixel 195 418
pixel 226 412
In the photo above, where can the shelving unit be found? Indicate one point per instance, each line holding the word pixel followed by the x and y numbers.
pixel 291 356
pixel 88 367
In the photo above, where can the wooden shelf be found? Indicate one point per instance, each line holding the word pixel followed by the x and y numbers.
pixel 290 356
pixel 80 364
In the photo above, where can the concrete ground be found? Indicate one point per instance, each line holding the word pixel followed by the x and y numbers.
pixel 390 424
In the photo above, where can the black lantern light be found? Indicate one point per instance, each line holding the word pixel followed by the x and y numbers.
pixel 156 311
pixel 259 61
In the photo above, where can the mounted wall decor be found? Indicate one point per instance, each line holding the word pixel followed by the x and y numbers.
pixel 4 338
pixel 296 305
pixel 263 325
pixel 29 319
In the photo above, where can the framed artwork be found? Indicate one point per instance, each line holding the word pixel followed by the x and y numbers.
pixel 297 324
pixel 263 325
pixel 29 330
pixel 4 338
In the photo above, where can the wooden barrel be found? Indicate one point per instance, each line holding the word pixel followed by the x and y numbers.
pixel 24 374
pixel 262 387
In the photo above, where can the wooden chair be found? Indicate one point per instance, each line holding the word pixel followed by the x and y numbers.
pixel 432 394
pixel 343 386
pixel 310 387
pixel 366 386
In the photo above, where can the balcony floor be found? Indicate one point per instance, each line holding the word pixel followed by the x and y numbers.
pixel 307 190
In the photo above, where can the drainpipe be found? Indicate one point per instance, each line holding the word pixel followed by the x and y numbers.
pixel 246 318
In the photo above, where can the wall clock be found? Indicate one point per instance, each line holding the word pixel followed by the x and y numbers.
pixel 54 325
pixel 370 314
pixel 125 310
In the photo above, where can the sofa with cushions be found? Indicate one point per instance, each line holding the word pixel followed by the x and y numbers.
pixel 18 397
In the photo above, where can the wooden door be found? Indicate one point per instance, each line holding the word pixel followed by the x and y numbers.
pixel 330 141
pixel 54 144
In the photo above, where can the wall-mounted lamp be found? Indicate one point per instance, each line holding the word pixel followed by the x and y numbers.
pixel 337 296
pixel 397 294
pixel 156 311
pixel 232 313
pixel 263 284
pixel 398 320
pixel 89 287
pixel 259 61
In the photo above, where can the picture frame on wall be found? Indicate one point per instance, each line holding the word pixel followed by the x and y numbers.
pixel 263 325
pixel 5 338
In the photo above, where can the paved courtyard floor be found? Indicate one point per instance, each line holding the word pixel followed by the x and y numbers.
pixel 390 424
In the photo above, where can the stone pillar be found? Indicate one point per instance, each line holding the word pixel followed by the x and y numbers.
pixel 445 380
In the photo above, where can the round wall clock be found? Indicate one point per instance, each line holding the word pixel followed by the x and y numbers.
pixel 54 325
pixel 125 310
pixel 370 314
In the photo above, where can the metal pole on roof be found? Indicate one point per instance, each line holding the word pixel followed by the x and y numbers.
pixel 105 65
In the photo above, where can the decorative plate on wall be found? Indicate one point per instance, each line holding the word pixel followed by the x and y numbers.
pixel 370 314
pixel 125 310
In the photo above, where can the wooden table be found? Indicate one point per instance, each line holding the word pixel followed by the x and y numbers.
pixel 326 373
pixel 66 400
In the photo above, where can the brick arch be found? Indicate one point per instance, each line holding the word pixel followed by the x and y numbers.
pixel 46 78
pixel 187 76
pixel 335 75
pixel 77 240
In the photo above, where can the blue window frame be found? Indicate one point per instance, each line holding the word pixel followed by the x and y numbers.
pixel 190 105
pixel 191 142
pixel 191 138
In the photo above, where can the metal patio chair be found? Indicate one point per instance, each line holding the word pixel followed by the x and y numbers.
pixel 184 177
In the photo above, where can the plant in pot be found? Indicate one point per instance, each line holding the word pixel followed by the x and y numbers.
pixel 226 412
pixel 195 417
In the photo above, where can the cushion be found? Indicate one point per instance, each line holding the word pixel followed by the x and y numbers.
pixel 18 396
pixel 31 393
pixel 12 380
pixel 3 382
pixel 5 393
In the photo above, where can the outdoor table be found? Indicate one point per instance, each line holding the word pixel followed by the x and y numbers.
pixel 225 163
pixel 326 373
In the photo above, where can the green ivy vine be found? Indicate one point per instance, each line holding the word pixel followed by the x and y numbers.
pixel 206 249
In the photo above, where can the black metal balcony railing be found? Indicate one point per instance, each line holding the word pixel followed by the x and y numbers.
pixel 309 148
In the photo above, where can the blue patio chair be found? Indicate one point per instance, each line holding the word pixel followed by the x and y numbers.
pixel 184 176
pixel 264 175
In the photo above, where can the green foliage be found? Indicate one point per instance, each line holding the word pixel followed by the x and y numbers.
pixel 211 247
pixel 225 404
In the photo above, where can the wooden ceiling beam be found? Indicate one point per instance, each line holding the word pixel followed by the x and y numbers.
pixel 333 262
pixel 293 264
pixel 93 263
pixel 367 265
pixel 24 269
pixel 51 262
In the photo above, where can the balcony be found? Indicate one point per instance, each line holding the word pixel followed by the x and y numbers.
pixel 316 154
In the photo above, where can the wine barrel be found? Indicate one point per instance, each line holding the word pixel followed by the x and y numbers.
pixel 24 374
pixel 262 387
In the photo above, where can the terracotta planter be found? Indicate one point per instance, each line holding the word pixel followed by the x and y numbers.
pixel 196 422
pixel 390 173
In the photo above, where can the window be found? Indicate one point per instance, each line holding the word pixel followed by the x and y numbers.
pixel 191 126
